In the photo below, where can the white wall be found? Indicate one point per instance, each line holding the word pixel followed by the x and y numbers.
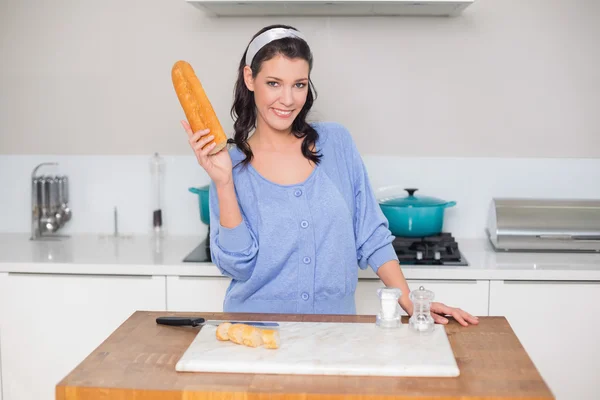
pixel 100 183
pixel 509 78
pixel 502 101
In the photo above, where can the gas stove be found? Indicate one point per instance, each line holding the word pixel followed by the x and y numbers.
pixel 201 253
pixel 441 249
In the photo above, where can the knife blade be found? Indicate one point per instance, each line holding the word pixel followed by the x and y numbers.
pixel 186 321
pixel 258 324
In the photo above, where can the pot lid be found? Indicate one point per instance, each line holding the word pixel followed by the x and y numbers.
pixel 413 201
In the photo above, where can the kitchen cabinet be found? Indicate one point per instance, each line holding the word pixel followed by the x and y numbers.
pixel 557 325
pixel 470 295
pixel 206 294
pixel 3 277
pixel 193 293
pixel 51 322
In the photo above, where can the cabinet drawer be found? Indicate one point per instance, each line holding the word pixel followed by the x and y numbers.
pixel 203 294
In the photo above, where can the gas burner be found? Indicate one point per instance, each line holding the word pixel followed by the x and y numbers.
pixel 202 252
pixel 439 249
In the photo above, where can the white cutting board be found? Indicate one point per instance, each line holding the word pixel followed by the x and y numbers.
pixel 324 348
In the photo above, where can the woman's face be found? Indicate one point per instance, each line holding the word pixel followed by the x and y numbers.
pixel 280 89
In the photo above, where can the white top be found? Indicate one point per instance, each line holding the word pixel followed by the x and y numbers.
pixel 95 254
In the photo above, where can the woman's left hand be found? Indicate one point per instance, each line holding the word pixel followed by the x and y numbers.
pixel 439 310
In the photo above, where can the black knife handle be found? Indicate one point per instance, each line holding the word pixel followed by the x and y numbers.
pixel 179 321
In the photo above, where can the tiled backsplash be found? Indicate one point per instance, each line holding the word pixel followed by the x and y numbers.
pixel 100 183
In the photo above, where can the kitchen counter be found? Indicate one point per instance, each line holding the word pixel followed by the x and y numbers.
pixel 141 255
pixel 138 361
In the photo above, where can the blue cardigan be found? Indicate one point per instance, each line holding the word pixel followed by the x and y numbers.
pixel 299 247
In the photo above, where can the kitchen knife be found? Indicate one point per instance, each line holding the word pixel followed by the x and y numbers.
pixel 186 321
pixel 258 324
pixel 180 321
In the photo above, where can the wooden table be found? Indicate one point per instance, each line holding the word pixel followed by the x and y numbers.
pixel 138 362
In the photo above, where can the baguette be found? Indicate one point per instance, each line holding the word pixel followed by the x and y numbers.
pixel 270 338
pixel 222 330
pixel 252 336
pixel 196 106
pixel 236 333
pixel 248 335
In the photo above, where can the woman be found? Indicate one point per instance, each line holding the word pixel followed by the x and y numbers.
pixel 293 215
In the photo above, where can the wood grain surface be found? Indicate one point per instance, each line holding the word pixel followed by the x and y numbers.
pixel 138 362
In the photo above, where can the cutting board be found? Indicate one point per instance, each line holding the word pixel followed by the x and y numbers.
pixel 326 348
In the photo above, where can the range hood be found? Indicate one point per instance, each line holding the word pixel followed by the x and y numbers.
pixel 254 8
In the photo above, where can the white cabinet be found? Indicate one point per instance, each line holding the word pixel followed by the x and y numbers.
pixel 557 325
pixel 470 295
pixel 192 293
pixel 50 323
pixel 3 277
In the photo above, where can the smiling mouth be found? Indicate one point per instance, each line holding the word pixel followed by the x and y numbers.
pixel 282 113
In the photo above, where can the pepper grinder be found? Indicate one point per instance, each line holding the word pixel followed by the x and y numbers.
pixel 389 314
pixel 157 171
pixel 421 320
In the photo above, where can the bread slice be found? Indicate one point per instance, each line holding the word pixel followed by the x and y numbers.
pixel 248 335
pixel 252 336
pixel 222 330
pixel 270 338
pixel 236 332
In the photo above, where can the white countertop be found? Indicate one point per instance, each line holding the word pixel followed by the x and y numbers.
pixel 138 255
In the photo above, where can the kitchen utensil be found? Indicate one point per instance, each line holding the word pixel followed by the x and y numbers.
pixel 260 324
pixel 185 321
pixel 48 213
pixel 203 202
pixel 421 320
pixel 157 170
pixel 527 224
pixel 389 314
pixel 64 198
pixel 327 348
pixel 47 220
pixel 412 216
pixel 55 208
pixel 180 321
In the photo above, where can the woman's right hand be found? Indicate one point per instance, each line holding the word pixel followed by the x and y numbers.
pixel 218 166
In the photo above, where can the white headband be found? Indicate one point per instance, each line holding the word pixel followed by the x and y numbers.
pixel 267 37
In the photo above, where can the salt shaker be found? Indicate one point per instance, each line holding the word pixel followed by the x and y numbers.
pixel 421 320
pixel 389 313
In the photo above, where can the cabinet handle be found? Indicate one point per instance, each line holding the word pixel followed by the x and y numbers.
pixel 538 282
pixel 193 278
pixel 55 274
pixel 446 281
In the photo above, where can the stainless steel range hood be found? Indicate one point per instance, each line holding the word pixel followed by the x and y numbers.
pixel 544 225
pixel 252 8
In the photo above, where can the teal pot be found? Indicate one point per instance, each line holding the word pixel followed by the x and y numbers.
pixel 411 215
pixel 202 193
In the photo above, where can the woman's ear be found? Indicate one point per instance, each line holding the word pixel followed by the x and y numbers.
pixel 248 79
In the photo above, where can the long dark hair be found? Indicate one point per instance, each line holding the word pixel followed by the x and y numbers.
pixel 243 110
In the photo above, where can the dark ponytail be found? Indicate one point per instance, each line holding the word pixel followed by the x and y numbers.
pixel 243 110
